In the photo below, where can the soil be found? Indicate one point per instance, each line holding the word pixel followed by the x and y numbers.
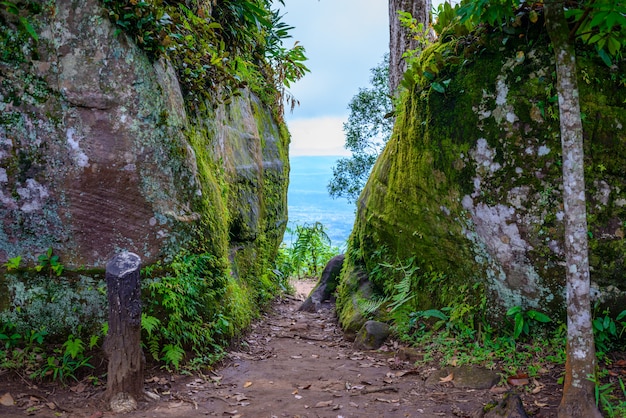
pixel 291 364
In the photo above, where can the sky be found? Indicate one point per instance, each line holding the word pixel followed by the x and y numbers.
pixel 343 39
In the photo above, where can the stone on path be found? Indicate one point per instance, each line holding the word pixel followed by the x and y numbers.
pixel 371 336
pixel 469 377
pixel 325 286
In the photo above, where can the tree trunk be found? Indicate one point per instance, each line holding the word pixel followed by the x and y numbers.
pixel 123 341
pixel 578 391
pixel 400 39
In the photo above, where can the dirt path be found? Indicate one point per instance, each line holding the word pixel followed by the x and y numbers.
pixel 292 364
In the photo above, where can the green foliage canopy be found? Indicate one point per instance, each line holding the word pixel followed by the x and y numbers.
pixel 216 47
pixel 368 128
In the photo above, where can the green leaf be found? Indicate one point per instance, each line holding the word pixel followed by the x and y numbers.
pixel 538 316
pixel 519 325
pixel 514 310
pixel 434 313
pixel 438 87
pixel 614 45
pixel 605 57
pixel 598 324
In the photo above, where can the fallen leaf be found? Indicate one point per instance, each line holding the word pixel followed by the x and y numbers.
pixel 7 399
pixel 241 397
pixel 79 388
pixel 518 381
pixel 305 387
pixel 323 404
pixel 295 392
pixel 247 384
pixel 541 404
pixel 388 400
pixel 448 378
pixel 498 389
pixel 538 387
pixel 51 405
pixel 298 396
pixel 296 357
pixel 354 405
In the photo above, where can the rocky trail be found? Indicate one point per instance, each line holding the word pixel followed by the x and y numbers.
pixel 291 364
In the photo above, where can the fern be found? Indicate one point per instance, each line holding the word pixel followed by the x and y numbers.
pixel 369 306
pixel 74 346
pixel 154 348
pixel 402 293
pixel 173 354
pixel 149 323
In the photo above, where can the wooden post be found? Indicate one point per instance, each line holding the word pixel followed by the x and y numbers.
pixel 122 345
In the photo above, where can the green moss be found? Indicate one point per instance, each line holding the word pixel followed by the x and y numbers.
pixel 427 188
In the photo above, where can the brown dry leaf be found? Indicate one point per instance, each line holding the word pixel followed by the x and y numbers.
pixel 247 384
pixel 354 405
pixel 498 389
pixel 51 405
pixel 538 387
pixel 79 388
pixel 7 400
pixel 541 404
pixel 295 392
pixel 448 378
pixel 323 404
pixel 518 381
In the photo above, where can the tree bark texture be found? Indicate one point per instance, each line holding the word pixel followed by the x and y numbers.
pixel 400 39
pixel 578 391
pixel 123 342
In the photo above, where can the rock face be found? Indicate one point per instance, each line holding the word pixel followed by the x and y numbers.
pixel 469 185
pixel 99 155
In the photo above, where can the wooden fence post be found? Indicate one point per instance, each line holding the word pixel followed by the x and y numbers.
pixel 122 345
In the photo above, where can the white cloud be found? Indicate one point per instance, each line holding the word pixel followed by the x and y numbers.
pixel 317 136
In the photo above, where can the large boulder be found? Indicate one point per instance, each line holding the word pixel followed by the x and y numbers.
pixel 469 186
pixel 325 286
pixel 99 153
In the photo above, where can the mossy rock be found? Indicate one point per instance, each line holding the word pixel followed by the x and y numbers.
pixel 469 185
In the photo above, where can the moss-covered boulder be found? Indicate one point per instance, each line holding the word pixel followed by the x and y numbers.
pixel 101 152
pixel 100 155
pixel 469 186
